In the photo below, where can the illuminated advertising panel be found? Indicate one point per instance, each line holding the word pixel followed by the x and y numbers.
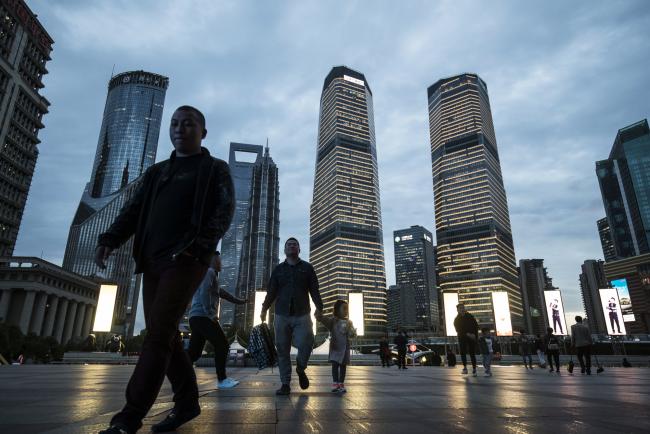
pixel 450 300
pixel 501 309
pixel 612 310
pixel 105 307
pixel 355 309
pixel 257 310
pixel 555 312
pixel 624 299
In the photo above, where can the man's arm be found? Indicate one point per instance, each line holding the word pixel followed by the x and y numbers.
pixel 271 294
pixel 231 298
pixel 314 289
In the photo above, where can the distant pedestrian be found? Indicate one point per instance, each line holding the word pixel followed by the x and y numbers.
pixel 526 349
pixel 552 350
pixel 401 341
pixel 451 359
pixel 540 348
pixel 581 341
pixel 384 351
pixel 467 330
pixel 486 345
pixel 626 363
pixel 341 330
pixel 205 324
pixel 436 360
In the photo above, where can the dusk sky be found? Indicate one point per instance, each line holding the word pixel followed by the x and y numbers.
pixel 562 77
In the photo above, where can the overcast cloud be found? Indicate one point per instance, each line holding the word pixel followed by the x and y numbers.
pixel 563 77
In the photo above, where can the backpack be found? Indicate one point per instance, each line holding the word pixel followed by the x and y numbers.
pixel 261 347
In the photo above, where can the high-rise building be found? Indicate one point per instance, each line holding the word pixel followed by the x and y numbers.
pixel 475 249
pixel 634 273
pixel 592 278
pixel 128 140
pixel 624 180
pixel 242 158
pixel 346 245
pixel 606 241
pixel 261 245
pixel 415 265
pixel 533 281
pixel 25 48
pixel 401 307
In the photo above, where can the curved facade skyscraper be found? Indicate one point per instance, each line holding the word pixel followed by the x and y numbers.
pixel 475 250
pixel 127 146
pixel 346 242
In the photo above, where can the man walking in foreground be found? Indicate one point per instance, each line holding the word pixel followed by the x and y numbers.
pixel 179 213
pixel 467 331
pixel 581 341
pixel 292 283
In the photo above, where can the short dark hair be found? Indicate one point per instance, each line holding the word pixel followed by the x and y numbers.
pixel 292 238
pixel 217 253
pixel 578 318
pixel 337 306
pixel 459 305
pixel 197 112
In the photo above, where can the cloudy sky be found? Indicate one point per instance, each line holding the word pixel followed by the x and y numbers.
pixel 563 77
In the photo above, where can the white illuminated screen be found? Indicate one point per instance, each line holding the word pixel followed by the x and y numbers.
pixel 450 300
pixel 313 315
pixel 355 308
pixel 612 310
pixel 105 307
pixel 353 80
pixel 555 312
pixel 257 311
pixel 502 313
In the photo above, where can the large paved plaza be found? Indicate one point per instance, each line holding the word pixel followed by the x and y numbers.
pixel 81 399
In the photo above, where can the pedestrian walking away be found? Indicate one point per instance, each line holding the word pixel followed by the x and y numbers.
pixel 552 350
pixel 581 340
pixel 384 351
pixel 341 331
pixel 541 351
pixel 205 324
pixel 526 349
pixel 401 341
pixel 486 345
pixel 177 216
pixel 467 331
pixel 292 283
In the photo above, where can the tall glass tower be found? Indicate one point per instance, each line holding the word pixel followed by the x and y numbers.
pixel 475 250
pixel 346 246
pixel 127 145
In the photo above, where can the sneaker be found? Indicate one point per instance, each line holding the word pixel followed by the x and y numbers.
pixel 464 371
pixel 228 383
pixel 176 418
pixel 531 367
pixel 335 387
pixel 404 367
pixel 115 429
pixel 284 390
pixel 550 371
pixel 342 388
pixel 474 374
pixel 558 372
pixel 302 379
pixel 488 374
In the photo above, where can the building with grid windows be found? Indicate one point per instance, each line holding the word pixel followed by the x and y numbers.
pixel 346 245
pixel 592 278
pixel 533 281
pixel 606 241
pixel 474 240
pixel 25 48
pixel 401 307
pixel 415 265
pixel 127 145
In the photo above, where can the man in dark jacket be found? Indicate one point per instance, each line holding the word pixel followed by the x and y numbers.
pixel 292 283
pixel 401 341
pixel 179 213
pixel 467 331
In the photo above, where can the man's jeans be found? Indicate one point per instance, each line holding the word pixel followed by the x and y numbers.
pixel 584 353
pixel 300 329
pixel 487 362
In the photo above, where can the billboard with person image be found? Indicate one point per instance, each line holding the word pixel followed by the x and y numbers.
pixel 555 312
pixel 612 310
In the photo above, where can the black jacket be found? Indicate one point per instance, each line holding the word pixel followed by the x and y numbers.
pixel 214 204
pixel 466 324
pixel 400 341
pixel 292 285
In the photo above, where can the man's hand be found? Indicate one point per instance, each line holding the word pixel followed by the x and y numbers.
pixel 472 336
pixel 263 316
pixel 101 255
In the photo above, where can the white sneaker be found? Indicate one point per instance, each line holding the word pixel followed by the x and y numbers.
pixel 228 383
pixel 474 374
pixel 488 374
pixel 464 370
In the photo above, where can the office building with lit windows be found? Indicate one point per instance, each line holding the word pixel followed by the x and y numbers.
pixel 474 239
pixel 346 245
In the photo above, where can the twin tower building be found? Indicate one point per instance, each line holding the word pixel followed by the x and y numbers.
pixel 475 254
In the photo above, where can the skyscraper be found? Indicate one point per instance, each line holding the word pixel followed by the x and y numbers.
pixel 624 180
pixel 128 140
pixel 242 158
pixel 346 246
pixel 592 278
pixel 25 49
pixel 606 241
pixel 415 265
pixel 533 281
pixel 475 249
pixel 401 307
pixel 261 244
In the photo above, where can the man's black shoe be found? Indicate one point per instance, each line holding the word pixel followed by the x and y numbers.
pixel 302 379
pixel 284 390
pixel 176 418
pixel 116 429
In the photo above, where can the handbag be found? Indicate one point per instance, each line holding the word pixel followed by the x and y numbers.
pixel 571 365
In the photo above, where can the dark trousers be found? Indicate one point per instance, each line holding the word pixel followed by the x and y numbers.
pixel 203 328
pixel 613 319
pixel 467 346
pixel 385 359
pixel 167 289
pixel 338 372
pixel 553 355
pixel 401 358
pixel 584 353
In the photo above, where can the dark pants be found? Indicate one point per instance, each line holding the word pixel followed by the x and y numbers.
pixel 167 289
pixel 338 372
pixel 401 358
pixel 557 323
pixel 384 356
pixel 203 328
pixel 613 319
pixel 553 355
pixel 584 353
pixel 467 346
